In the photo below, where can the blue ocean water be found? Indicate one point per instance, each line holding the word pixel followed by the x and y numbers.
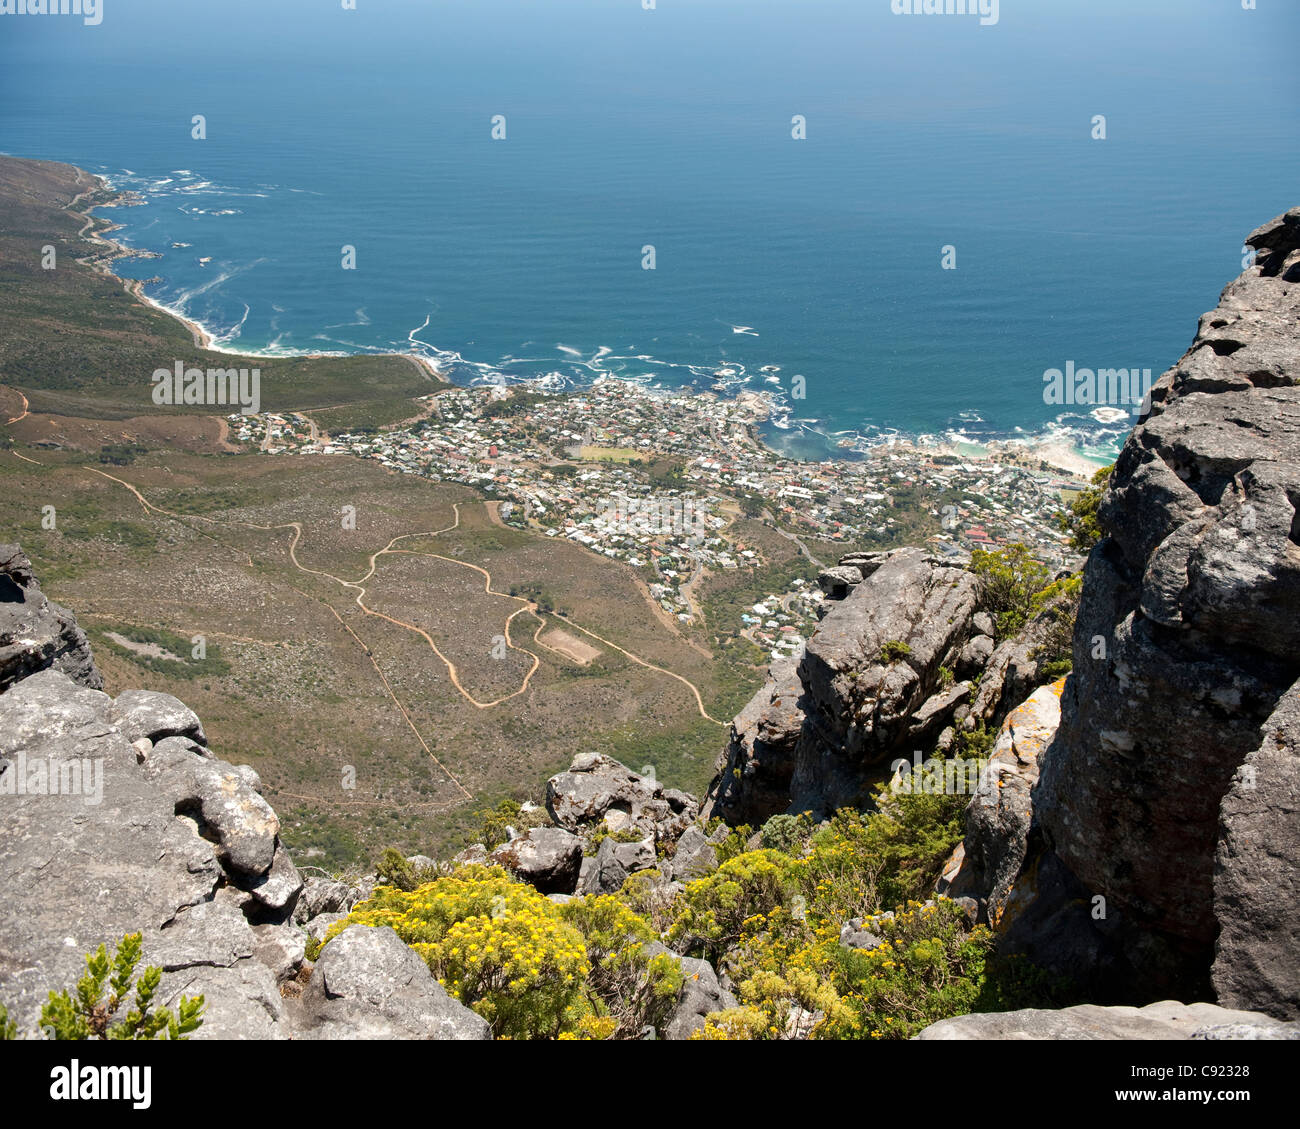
pixel 672 127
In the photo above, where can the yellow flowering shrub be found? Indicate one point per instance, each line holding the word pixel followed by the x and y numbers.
pixel 712 911
pixel 643 893
pixel 733 1024
pixel 627 984
pixel 928 968
pixel 495 944
pixel 772 923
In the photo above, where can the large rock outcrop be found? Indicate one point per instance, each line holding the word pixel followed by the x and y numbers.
pixel 369 984
pixel 36 634
pixel 873 685
pixel 116 817
pixel 1186 648
pixel 756 767
pixel 107 833
pixel 597 791
pixel 1256 876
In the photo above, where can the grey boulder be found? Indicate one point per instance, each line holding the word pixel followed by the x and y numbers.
pixel 369 984
pixel 545 857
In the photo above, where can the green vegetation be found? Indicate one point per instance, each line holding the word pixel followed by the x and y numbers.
pixel 894 650
pixel 684 754
pixel 628 455
pixel 300 698
pixel 372 415
pixel 531 968
pixel 769 918
pixel 786 833
pixel 772 921
pixel 974 744
pixel 1081 521
pixel 1016 589
pixel 508 813
pixel 120 454
pixel 394 869
pixel 161 651
pixel 1058 603
pixel 1012 579
pixel 519 403
pixel 87 1013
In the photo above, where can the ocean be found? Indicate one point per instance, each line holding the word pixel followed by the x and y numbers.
pixel 809 267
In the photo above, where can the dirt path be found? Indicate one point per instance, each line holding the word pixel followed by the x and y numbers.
pixel 297 529
pixel 223 436
pixel 24 414
pixel 83 614
pixel 792 537
pixel 699 701
pixel 666 619
pixel 359 586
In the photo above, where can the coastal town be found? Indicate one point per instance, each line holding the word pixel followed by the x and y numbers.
pixel 657 479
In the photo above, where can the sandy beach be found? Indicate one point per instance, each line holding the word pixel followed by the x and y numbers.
pixel 1054 453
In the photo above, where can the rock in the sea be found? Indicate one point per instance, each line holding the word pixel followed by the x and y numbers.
pixel 36 634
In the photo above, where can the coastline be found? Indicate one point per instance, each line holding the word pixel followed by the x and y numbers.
pixel 1053 452
pixel 203 338
pixel 1049 450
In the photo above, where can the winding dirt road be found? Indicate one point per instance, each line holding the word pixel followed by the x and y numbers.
pixel 359 586
pixel 24 413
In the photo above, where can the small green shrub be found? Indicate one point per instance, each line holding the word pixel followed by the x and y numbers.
pixel 893 651
pixel 786 833
pixel 1010 579
pixel 929 967
pixel 1081 521
pixel 394 869
pixel 88 1014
